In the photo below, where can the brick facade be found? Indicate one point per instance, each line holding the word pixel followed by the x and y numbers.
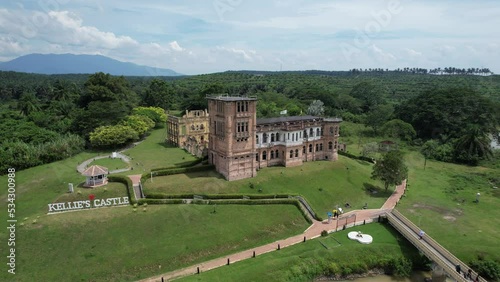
pixel 239 144
pixel 189 132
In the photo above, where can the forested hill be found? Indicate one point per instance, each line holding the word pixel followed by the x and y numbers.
pixel 50 117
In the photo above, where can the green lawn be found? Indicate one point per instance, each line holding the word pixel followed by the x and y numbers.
pixel 302 262
pixel 324 184
pixel 153 152
pixel 441 198
pixel 110 163
pixel 118 244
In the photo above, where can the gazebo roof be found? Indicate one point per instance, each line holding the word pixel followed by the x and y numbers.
pixel 95 170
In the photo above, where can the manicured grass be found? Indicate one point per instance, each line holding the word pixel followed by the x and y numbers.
pixel 118 244
pixel 300 262
pixel 324 184
pixel 111 190
pixel 154 152
pixel 111 164
pixel 440 199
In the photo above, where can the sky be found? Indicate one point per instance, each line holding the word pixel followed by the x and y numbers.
pixel 206 36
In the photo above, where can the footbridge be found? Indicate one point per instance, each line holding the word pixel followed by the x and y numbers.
pixel 432 249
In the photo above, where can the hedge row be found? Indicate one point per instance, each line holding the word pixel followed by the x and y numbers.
pixel 362 158
pixel 181 165
pixel 217 196
pixel 160 201
pixel 128 183
pixel 294 202
pixel 177 171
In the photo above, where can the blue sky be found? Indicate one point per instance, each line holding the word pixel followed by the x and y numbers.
pixel 194 37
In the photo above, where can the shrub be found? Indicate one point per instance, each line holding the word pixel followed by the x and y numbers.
pixel 324 233
pixel 489 269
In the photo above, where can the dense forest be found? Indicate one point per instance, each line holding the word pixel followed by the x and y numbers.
pixel 450 113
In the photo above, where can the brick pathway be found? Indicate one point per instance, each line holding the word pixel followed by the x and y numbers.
pixel 313 231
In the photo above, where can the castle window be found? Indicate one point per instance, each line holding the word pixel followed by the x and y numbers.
pixel 272 155
pixel 238 105
pixel 272 137
pixel 330 145
pixel 311 132
pixel 256 139
pixel 277 154
pixel 264 155
pixel 317 132
pixel 317 147
pixel 310 148
pixel 265 138
pixel 291 153
pixel 296 153
pixel 257 157
pixel 331 129
pixel 277 137
pixel 246 106
pixel 321 146
pixel 305 133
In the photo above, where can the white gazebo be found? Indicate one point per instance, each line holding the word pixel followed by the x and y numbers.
pixel 96 176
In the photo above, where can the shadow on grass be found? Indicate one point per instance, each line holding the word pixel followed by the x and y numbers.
pixel 167 145
pixel 375 191
pixel 204 174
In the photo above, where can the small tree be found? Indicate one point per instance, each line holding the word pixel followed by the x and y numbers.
pixel 369 149
pixel 317 108
pixel 391 169
pixel 429 150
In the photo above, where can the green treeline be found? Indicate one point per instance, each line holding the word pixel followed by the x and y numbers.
pixel 49 117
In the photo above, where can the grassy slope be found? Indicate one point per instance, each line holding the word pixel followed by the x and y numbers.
pixel 154 153
pixel 285 264
pixel 118 244
pixel 110 163
pixel 339 184
pixel 440 200
pixel 106 244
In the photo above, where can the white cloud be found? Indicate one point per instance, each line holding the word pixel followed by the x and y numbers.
pixel 246 55
pixel 412 53
pixel 381 55
pixel 175 46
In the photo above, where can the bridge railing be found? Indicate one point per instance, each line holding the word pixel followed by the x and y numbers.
pixel 436 246
pixel 408 230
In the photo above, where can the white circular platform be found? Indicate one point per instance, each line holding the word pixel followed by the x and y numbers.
pixel 358 236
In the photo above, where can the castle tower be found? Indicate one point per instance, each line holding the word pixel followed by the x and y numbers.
pixel 231 146
pixel 331 130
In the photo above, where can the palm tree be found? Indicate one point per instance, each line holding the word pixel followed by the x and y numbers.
pixel 473 146
pixel 28 103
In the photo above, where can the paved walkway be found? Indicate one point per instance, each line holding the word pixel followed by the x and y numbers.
pixel 83 166
pixel 136 182
pixel 312 232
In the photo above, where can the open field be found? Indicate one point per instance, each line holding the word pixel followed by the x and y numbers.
pixel 302 262
pixel 440 199
pixel 110 163
pixel 324 184
pixel 153 152
pixel 118 244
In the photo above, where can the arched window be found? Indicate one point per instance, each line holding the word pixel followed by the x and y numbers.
pixel 305 133
pixel 296 153
pixel 317 132
pixel 264 155
pixel 331 129
pixel 291 153
pixel 272 155
pixel 317 147
pixel 272 137
pixel 321 146
pixel 310 148
pixel 330 145
pixel 277 137
pixel 277 154
pixel 256 139
pixel 265 138
pixel 303 149
pixel 311 132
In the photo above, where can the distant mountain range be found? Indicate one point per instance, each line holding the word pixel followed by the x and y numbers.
pixel 76 64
